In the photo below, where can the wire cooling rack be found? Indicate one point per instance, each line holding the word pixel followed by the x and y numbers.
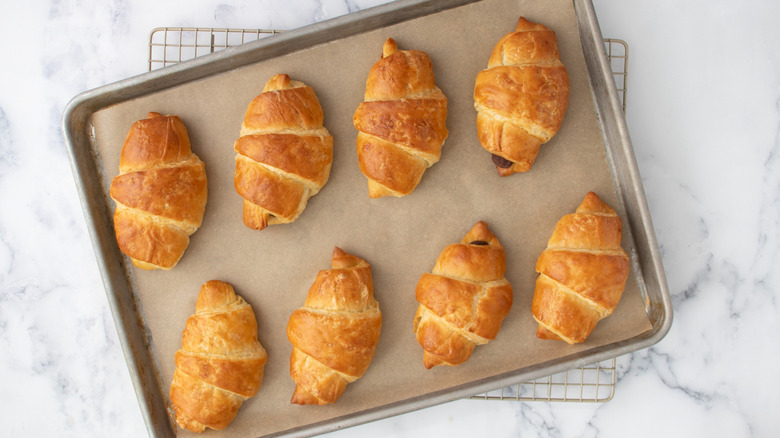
pixel 592 383
pixel 172 45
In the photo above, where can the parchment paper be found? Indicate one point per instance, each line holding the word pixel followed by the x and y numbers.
pixel 401 237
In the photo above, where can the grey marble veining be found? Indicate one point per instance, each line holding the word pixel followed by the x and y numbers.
pixel 704 118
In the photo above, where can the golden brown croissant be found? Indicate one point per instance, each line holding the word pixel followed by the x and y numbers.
pixel 221 362
pixel 465 299
pixel 521 97
pixel 401 123
pixel 160 192
pixel 283 154
pixel 582 273
pixel 335 333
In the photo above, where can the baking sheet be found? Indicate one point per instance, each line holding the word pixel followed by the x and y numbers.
pixel 401 238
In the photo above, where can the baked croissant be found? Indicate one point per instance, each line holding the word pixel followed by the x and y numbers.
pixel 160 192
pixel 335 333
pixel 220 363
pixel 464 300
pixel 283 154
pixel 582 273
pixel 521 97
pixel 401 123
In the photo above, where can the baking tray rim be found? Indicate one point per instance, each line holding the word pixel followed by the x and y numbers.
pixel 135 338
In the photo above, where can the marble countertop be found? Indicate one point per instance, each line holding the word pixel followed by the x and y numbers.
pixel 703 115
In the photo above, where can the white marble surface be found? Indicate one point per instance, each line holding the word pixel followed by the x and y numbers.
pixel 703 113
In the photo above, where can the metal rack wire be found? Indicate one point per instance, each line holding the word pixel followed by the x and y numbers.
pixel 617 52
pixel 172 45
pixel 592 383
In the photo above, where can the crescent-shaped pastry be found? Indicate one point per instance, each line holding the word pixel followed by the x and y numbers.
pixel 464 300
pixel 401 122
pixel 160 192
pixel 521 97
pixel 284 153
pixel 582 272
pixel 220 364
pixel 335 334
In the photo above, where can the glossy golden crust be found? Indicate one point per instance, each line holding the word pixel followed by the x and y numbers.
pixel 400 74
pixel 283 155
pixel 153 142
pixel 465 299
pixel 401 123
pixel 529 96
pixel 149 242
pixel 285 152
pixel 284 104
pixel 268 190
pixel 335 334
pixel 160 192
pixel 582 273
pixel 211 406
pixel 522 96
pixel 171 192
pixel 418 124
pixel 393 171
pixel 559 308
pixel 221 362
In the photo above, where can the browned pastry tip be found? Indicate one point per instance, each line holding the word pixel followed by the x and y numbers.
pixel 389 47
pixel 277 82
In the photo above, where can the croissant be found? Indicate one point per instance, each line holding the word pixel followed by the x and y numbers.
pixel 582 273
pixel 160 192
pixel 334 335
pixel 521 97
pixel 221 362
pixel 464 300
pixel 283 154
pixel 401 123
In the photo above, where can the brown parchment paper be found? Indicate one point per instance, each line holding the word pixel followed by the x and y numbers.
pixel 401 237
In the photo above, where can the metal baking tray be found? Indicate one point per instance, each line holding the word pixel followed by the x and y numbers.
pixel 594 383
pixel 137 341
